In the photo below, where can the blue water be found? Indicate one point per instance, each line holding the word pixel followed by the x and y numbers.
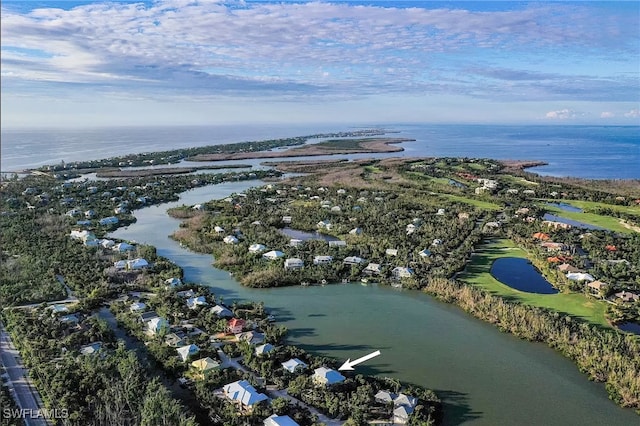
pixel 581 151
pixel 305 236
pixel 518 273
pixel 566 207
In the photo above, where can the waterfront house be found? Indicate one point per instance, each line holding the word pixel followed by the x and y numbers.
pixel 148 316
pixel 107 221
pixel 372 269
pixel 186 294
pixel 108 244
pixel 294 365
pixel 273 255
pixel 236 325
pixel 123 247
pixel 385 397
pixel 173 282
pixel 322 260
pixel 275 420
pixel 327 376
pixel 203 367
pixel 184 352
pixel 353 260
pixel 221 311
pixel 552 246
pixel 295 242
pixel 293 263
pixel 400 272
pixel 401 414
pixel 136 264
pixel 230 239
pixel 157 325
pixel 91 348
pixel 194 302
pixel 406 400
pixel 251 337
pixel 257 248
pixel 264 349
pixel 242 393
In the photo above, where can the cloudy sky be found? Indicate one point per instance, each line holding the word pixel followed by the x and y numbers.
pixel 94 63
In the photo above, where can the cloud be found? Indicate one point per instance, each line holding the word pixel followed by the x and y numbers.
pixel 563 114
pixel 634 113
pixel 607 114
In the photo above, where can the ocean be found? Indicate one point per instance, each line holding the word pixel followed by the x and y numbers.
pixel 599 152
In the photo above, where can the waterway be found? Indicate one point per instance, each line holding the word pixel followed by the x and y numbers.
pixel 574 223
pixel 484 376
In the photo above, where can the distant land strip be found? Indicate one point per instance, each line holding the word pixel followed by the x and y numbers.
pixel 332 147
pixel 163 171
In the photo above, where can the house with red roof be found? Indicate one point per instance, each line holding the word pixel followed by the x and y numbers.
pixel 236 325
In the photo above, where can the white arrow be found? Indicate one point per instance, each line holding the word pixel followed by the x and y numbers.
pixel 348 365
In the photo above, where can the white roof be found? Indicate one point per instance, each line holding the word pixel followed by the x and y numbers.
pixel 243 392
pixel 256 248
pixel 273 254
pixel 137 263
pixel 580 276
pixel 292 364
pixel 185 351
pixel 353 259
pixel 328 375
pixel 275 420
pixel 263 349
pixel 230 239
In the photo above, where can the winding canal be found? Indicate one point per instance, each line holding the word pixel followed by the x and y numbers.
pixel 484 376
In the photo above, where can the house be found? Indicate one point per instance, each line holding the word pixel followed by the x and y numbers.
pixel 138 307
pixel 293 263
pixel 353 260
pixel 322 260
pixel 275 420
pixel 400 272
pixel 107 221
pixel 324 224
pixel 198 207
pixel 273 255
pixel 257 248
pixel 597 288
pixel 218 229
pixel 295 242
pixel 264 349
pixel 148 316
pixel 626 297
pixel 203 367
pixel 411 228
pixel 406 400
pixel 391 252
pixel 70 319
pixel 294 365
pixel 91 243
pixel 580 276
pixel 243 393
pixel 123 247
pixel 286 219
pixel 355 231
pixel 541 236
pixel 236 325
pixel 136 264
pixel 108 244
pixel 186 294
pixel 194 302
pixel 221 311
pixel 230 239
pixel 157 325
pixel 91 348
pixel 565 267
pixel 337 243
pixel 251 337
pixel 326 376
pixel 173 282
pixel 436 242
pixel 425 253
pixel 184 352
pixel 372 269
pixel 82 235
pixel 551 246
pixel 440 212
pixel 401 414
pixel 556 225
pixel 174 340
pixel 385 397
pixel 341 191
pixel 336 209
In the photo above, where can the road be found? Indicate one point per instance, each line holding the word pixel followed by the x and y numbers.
pixel 24 392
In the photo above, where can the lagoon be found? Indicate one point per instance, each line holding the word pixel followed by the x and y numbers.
pixel 575 223
pixel 305 236
pixel 484 376
pixel 519 273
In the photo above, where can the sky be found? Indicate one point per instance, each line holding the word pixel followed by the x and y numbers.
pixel 183 62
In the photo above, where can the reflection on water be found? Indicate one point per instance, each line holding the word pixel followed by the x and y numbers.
pixel 519 273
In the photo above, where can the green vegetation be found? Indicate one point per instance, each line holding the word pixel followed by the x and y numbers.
pixel 607 222
pixel 486 205
pixel 478 274
pixel 7 403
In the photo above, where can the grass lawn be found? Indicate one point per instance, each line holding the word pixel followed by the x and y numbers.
pixel 486 205
pixel 607 222
pixel 589 205
pixel 574 304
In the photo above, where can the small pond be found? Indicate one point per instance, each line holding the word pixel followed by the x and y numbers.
pixel 566 207
pixel 630 327
pixel 519 273
pixel 571 222
pixel 457 184
pixel 304 236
